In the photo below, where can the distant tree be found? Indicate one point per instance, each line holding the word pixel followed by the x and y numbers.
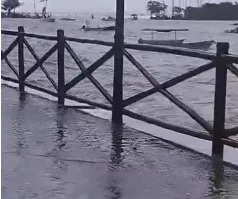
pixel 156 8
pixel 178 11
pixel 213 11
pixel 9 5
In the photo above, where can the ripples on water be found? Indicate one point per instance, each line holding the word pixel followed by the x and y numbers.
pixel 197 92
pixel 55 152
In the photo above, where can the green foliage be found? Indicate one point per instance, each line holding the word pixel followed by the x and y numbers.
pixel 9 5
pixel 212 11
pixel 178 10
pixel 155 7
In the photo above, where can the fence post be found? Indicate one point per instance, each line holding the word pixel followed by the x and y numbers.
pixel 118 64
pixel 21 58
pixel 219 100
pixel 61 80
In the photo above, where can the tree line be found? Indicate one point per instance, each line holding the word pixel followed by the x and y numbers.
pixel 213 11
pixel 208 11
pixel 9 6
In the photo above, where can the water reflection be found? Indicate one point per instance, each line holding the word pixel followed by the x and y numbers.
pixel 61 128
pixel 20 130
pixel 217 178
pixel 60 142
pixel 60 166
pixel 22 100
pixel 113 189
pixel 117 150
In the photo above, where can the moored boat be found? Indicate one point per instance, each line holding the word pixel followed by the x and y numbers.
pixel 108 28
pixel 235 31
pixel 108 18
pixel 67 19
pixel 172 42
pixel 48 19
pixel 134 17
pixel 202 45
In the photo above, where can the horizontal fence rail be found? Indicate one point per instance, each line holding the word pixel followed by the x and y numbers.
pixel 140 47
pixel 222 61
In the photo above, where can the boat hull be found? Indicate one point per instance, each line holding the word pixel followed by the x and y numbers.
pixel 48 19
pixel 203 45
pixel 67 19
pixel 234 31
pixel 110 19
pixel 110 28
pixel 161 42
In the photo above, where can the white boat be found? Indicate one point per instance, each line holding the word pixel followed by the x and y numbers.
pixel 172 42
pixel 48 19
pixel 108 18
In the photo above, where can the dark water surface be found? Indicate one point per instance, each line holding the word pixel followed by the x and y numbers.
pixel 197 92
pixel 53 152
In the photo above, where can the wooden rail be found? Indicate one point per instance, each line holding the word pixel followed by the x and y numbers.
pixel 222 61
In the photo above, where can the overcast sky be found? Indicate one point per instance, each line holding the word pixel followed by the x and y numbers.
pixel 137 6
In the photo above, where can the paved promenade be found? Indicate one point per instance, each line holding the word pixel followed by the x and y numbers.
pixel 51 152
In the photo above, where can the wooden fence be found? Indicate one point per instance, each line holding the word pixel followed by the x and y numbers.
pixel 222 61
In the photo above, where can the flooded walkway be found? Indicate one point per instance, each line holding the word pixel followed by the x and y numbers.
pixel 53 152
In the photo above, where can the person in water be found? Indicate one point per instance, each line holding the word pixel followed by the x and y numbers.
pixel 85 26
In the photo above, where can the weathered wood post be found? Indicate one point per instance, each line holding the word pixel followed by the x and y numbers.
pixel 118 64
pixel 21 58
pixel 219 100
pixel 61 80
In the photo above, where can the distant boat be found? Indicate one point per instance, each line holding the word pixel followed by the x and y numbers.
pixel 161 42
pixel 67 19
pixel 165 30
pixel 164 17
pixel 203 45
pixel 108 28
pixel 48 19
pixel 235 31
pixel 170 42
pixel 108 18
pixel 134 17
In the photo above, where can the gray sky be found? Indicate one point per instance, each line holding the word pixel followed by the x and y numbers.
pixel 137 6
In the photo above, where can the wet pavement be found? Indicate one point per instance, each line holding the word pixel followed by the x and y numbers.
pixel 55 152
